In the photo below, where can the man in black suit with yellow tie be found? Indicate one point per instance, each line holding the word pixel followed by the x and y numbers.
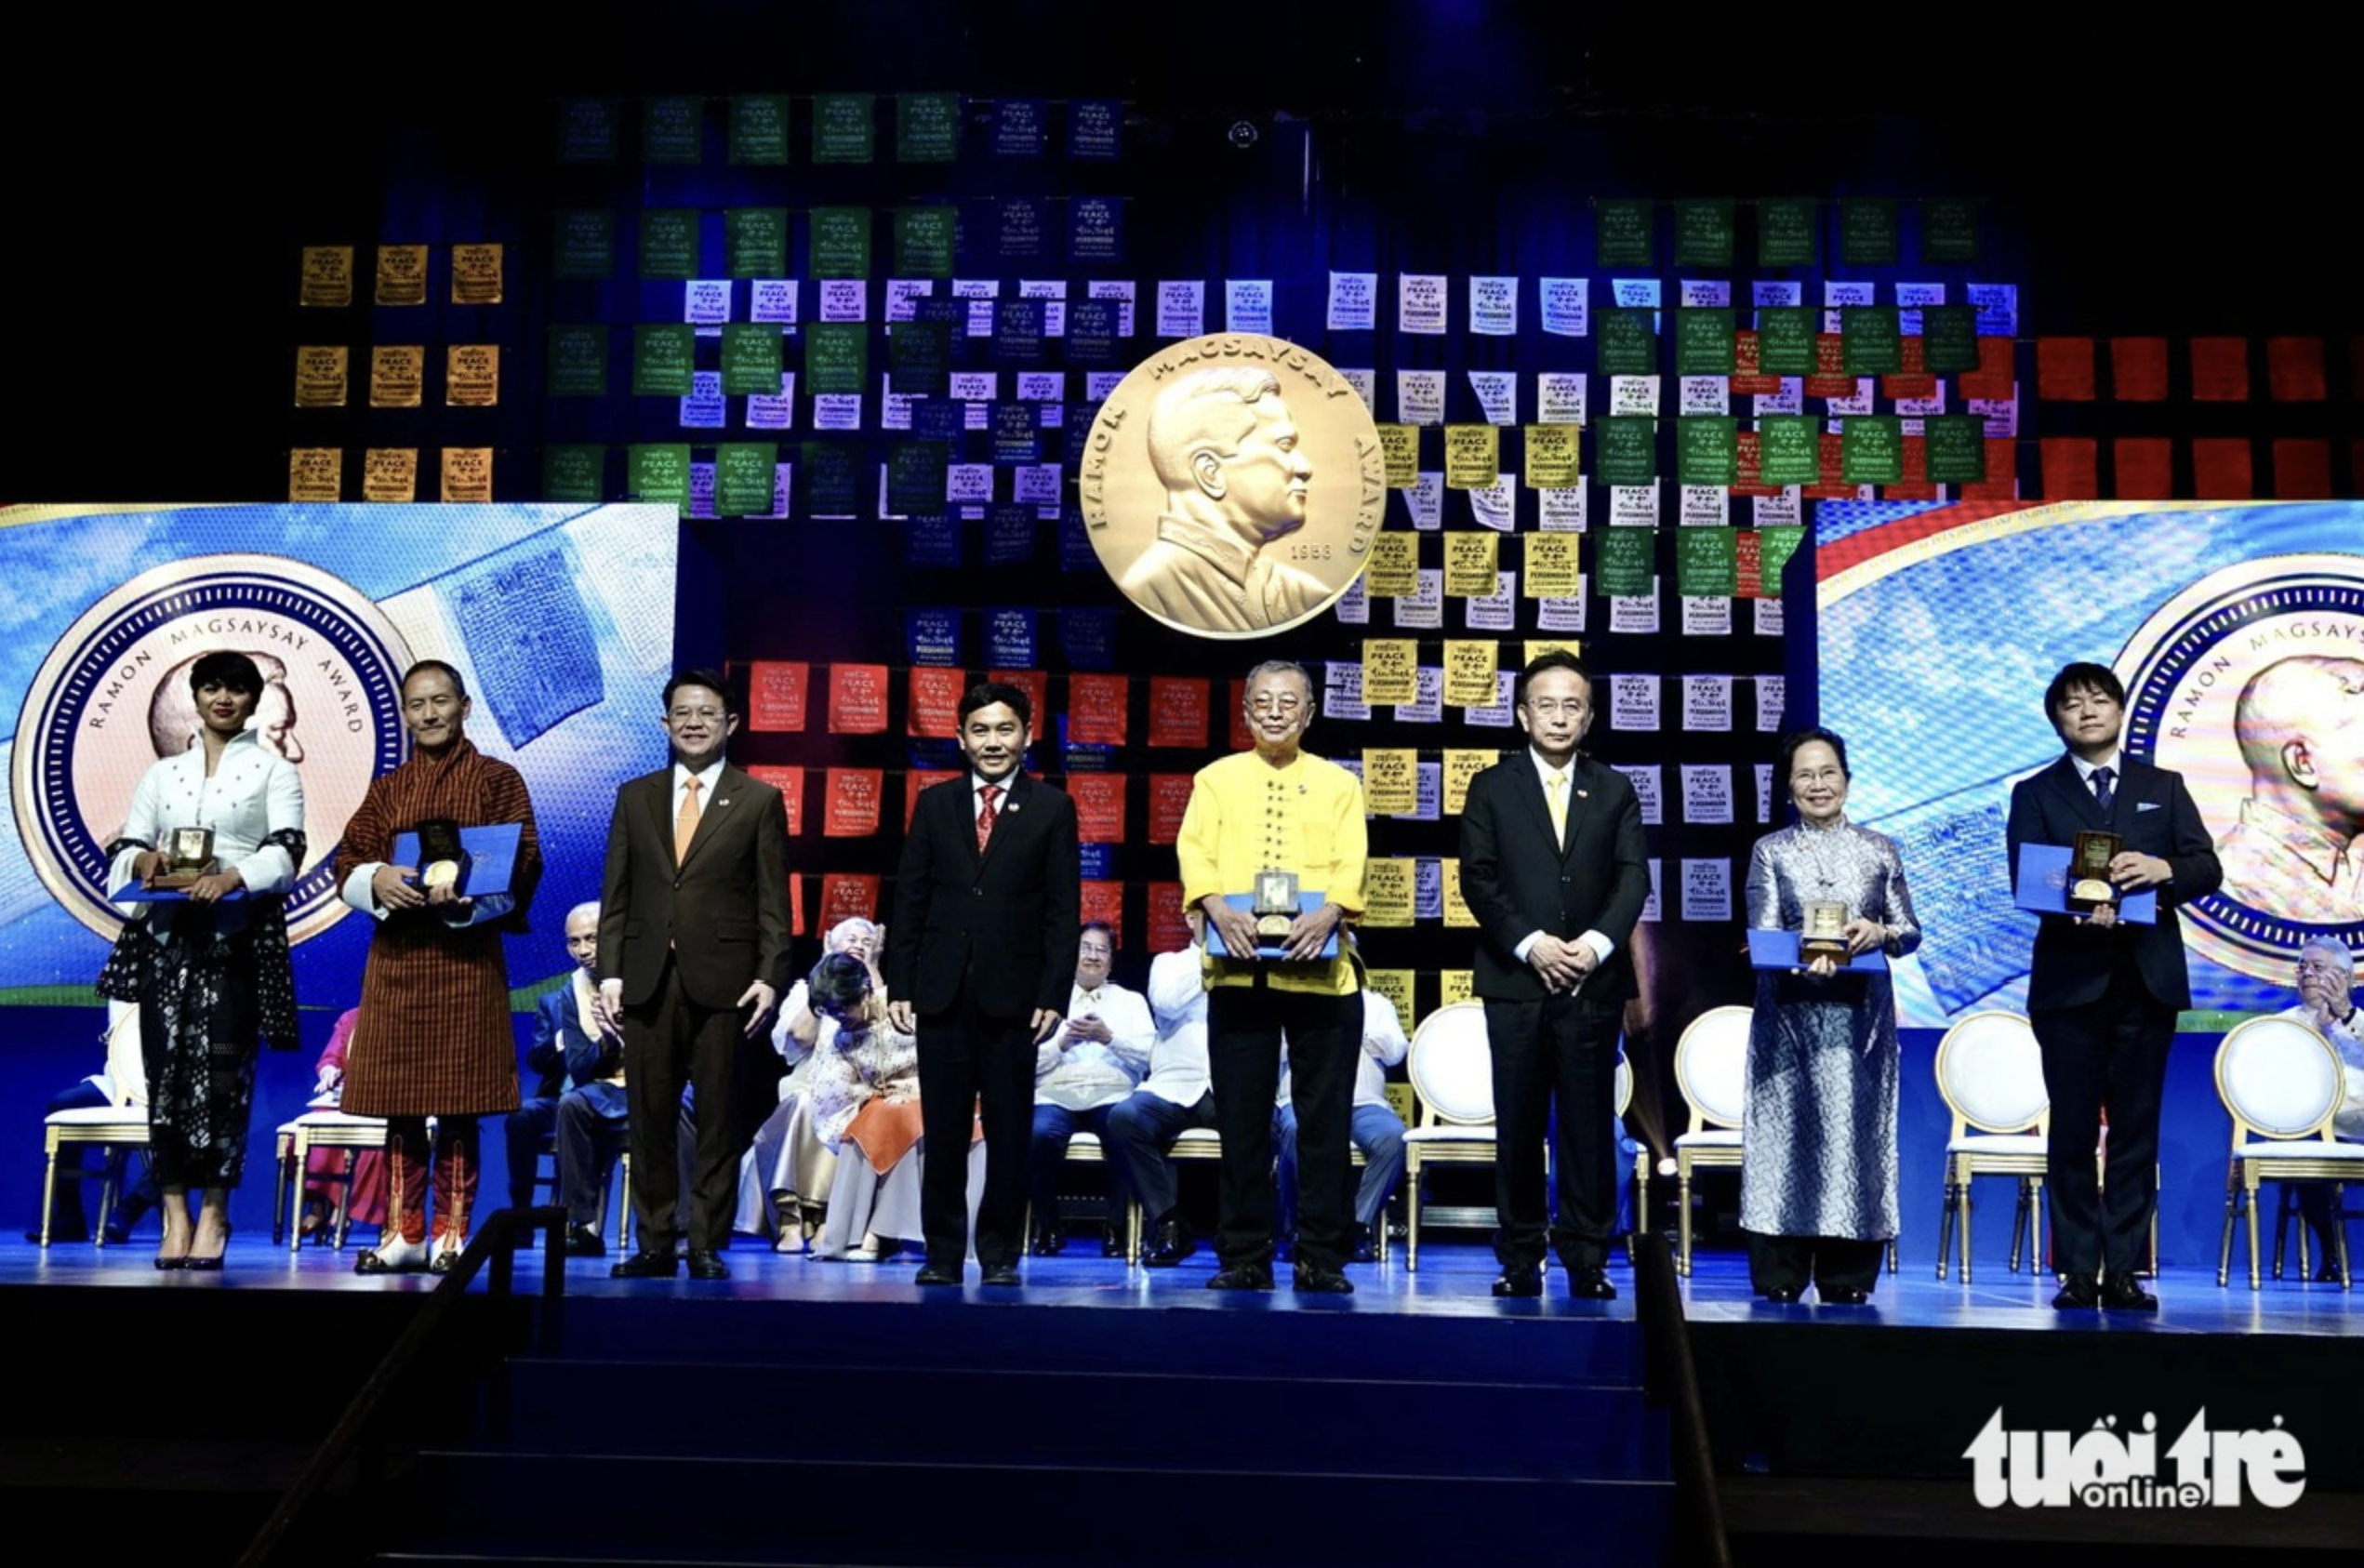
pixel 1553 867
pixel 692 932
pixel 980 958
pixel 2102 993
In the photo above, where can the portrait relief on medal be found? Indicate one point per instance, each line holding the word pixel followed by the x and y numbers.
pixel 1232 486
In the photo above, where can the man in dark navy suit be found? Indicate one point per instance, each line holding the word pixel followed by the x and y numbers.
pixel 981 957
pixel 2102 993
pixel 1553 867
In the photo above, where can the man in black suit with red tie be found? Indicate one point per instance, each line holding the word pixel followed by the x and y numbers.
pixel 980 958
pixel 2102 993
pixel 692 932
pixel 1553 867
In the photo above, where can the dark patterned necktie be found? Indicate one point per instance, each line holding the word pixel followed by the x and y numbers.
pixel 2102 795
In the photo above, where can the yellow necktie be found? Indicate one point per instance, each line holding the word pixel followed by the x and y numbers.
pixel 1557 797
pixel 685 824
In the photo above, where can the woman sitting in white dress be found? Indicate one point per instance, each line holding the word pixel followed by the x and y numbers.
pixel 784 1180
pixel 864 1088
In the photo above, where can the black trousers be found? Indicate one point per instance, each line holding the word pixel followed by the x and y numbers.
pixel 1246 1026
pixel 522 1133
pixel 971 1065
pixel 588 1143
pixel 1141 1129
pixel 1563 1050
pixel 1055 1128
pixel 2110 1054
pixel 667 1039
pixel 1829 1262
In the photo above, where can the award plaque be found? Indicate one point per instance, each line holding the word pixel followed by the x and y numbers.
pixel 1276 905
pixel 1823 934
pixel 2089 885
pixel 187 856
pixel 443 861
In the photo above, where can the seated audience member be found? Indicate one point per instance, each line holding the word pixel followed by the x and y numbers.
pixel 594 1119
pixel 361 1172
pixel 534 1122
pixel 2327 1000
pixel 1377 1129
pixel 121 1081
pixel 865 1089
pixel 1081 1075
pixel 784 1180
pixel 1174 1099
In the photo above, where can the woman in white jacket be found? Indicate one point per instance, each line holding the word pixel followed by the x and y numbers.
pixel 209 967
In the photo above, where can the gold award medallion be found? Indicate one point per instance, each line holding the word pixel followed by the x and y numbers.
pixel 1233 485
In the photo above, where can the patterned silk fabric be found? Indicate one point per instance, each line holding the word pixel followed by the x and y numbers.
pixel 1818 1146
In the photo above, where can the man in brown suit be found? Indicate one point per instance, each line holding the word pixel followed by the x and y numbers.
pixel 692 932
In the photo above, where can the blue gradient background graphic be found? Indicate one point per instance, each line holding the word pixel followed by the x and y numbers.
pixel 1935 674
pixel 564 613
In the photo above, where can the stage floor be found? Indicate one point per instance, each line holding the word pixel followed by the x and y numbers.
pixel 1454 1281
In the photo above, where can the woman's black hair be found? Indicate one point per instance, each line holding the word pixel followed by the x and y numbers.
pixel 223 668
pixel 839 980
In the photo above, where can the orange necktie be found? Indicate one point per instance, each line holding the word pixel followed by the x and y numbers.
pixel 685 824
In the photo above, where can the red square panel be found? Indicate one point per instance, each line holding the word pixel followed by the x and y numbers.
pixel 2146 465
pixel 2064 369
pixel 2221 470
pixel 2220 370
pixel 2294 369
pixel 2071 469
pixel 2138 369
pixel 2302 471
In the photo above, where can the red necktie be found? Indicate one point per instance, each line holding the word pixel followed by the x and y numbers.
pixel 985 816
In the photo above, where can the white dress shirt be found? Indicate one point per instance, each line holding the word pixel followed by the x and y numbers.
pixel 1177 997
pixel 2347 1123
pixel 1087 1075
pixel 706 777
pixel 1601 946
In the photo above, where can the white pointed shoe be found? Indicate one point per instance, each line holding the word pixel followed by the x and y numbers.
pixel 392 1255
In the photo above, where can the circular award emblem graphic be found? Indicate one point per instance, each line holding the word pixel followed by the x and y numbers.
pixel 112 698
pixel 1232 486
pixel 2251 685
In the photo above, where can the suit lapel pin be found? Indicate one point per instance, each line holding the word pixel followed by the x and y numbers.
pixel 1011 807
pixel 723 801
pixel 1584 794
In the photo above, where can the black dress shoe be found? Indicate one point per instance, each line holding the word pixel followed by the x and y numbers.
pixel 1591 1285
pixel 1366 1245
pixel 1783 1295
pixel 2329 1274
pixel 1001 1274
pixel 1049 1240
pixel 1172 1245
pixel 1527 1280
pixel 2078 1293
pixel 1322 1279
pixel 2123 1293
pixel 1847 1298
pixel 705 1263
pixel 646 1265
pixel 938 1274
pixel 584 1242
pixel 1241 1276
